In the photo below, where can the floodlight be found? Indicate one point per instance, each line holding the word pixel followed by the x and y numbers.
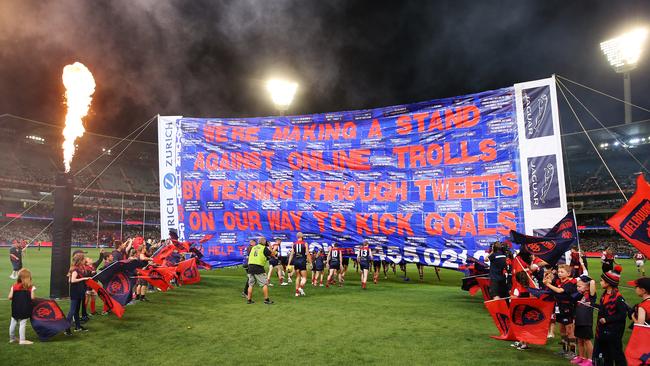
pixel 282 92
pixel 624 51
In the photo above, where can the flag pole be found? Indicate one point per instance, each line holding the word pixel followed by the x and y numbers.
pixel 109 266
pixel 575 222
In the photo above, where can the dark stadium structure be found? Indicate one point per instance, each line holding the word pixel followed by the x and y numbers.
pixel 123 201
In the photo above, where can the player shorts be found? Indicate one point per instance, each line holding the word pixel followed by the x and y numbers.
pixel 273 261
pixel 584 332
pixel 377 265
pixel 16 265
pixel 346 261
pixel 284 260
pixel 300 264
pixel 364 265
pixel 566 314
pixel 335 265
pixel 319 266
pixel 639 263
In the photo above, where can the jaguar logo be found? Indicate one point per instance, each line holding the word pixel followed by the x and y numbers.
pixel 549 173
pixel 543 182
pixel 537 114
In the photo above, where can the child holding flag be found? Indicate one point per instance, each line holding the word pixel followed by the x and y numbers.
pixel 564 288
pixel 21 296
pixel 77 290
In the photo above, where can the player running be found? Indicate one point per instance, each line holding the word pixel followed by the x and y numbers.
pixel 318 266
pixel 334 264
pixel 299 257
pixel 364 257
pixel 376 262
pixel 274 263
pixel 639 259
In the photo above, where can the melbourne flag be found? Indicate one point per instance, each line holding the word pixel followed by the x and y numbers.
pixel 162 253
pixel 530 319
pixel 518 265
pixel 552 246
pixel 188 272
pixel 111 304
pixel 638 347
pixel 484 284
pixel 155 278
pixel 632 221
pixel 48 319
pixel 500 313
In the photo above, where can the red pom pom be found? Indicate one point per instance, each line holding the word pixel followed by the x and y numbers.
pixel 618 268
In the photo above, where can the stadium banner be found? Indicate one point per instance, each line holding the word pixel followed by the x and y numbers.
pixel 430 182
pixel 168 164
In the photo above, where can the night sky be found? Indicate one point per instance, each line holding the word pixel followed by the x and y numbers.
pixel 211 58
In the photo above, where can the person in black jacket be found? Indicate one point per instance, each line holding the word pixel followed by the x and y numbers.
pixel 498 263
pixel 610 327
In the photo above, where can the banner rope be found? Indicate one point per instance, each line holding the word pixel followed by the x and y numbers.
pixel 592 142
pixel 142 128
pixel 603 93
pixel 621 143
pixel 52 125
pixel 78 172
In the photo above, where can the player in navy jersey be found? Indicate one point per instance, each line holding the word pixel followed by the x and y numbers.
pixel 334 264
pixel 274 263
pixel 376 261
pixel 318 266
pixel 364 257
pixel 299 257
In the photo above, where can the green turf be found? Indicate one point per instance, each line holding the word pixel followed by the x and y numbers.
pixel 394 322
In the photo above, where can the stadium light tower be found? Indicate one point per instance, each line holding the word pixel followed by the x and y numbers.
pixel 623 53
pixel 282 93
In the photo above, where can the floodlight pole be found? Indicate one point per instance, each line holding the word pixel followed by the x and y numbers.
pixel 627 96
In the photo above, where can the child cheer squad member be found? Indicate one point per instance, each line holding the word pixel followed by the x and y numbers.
pixel 257 259
pixel 610 327
pixel 21 296
pixel 77 290
pixel 641 311
pixel 584 322
pixel 299 257
pixel 364 257
pixel 564 288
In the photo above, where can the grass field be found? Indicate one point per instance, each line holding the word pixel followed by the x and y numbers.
pixel 394 322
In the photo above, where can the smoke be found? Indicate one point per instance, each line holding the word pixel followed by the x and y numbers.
pixel 207 58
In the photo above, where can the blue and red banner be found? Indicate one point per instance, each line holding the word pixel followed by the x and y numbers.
pixel 431 182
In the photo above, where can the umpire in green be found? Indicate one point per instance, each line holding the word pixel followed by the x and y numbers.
pixel 257 259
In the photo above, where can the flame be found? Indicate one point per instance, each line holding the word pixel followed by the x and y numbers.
pixel 79 88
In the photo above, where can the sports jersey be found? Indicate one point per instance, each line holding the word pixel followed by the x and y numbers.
pixel 299 249
pixel 364 254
